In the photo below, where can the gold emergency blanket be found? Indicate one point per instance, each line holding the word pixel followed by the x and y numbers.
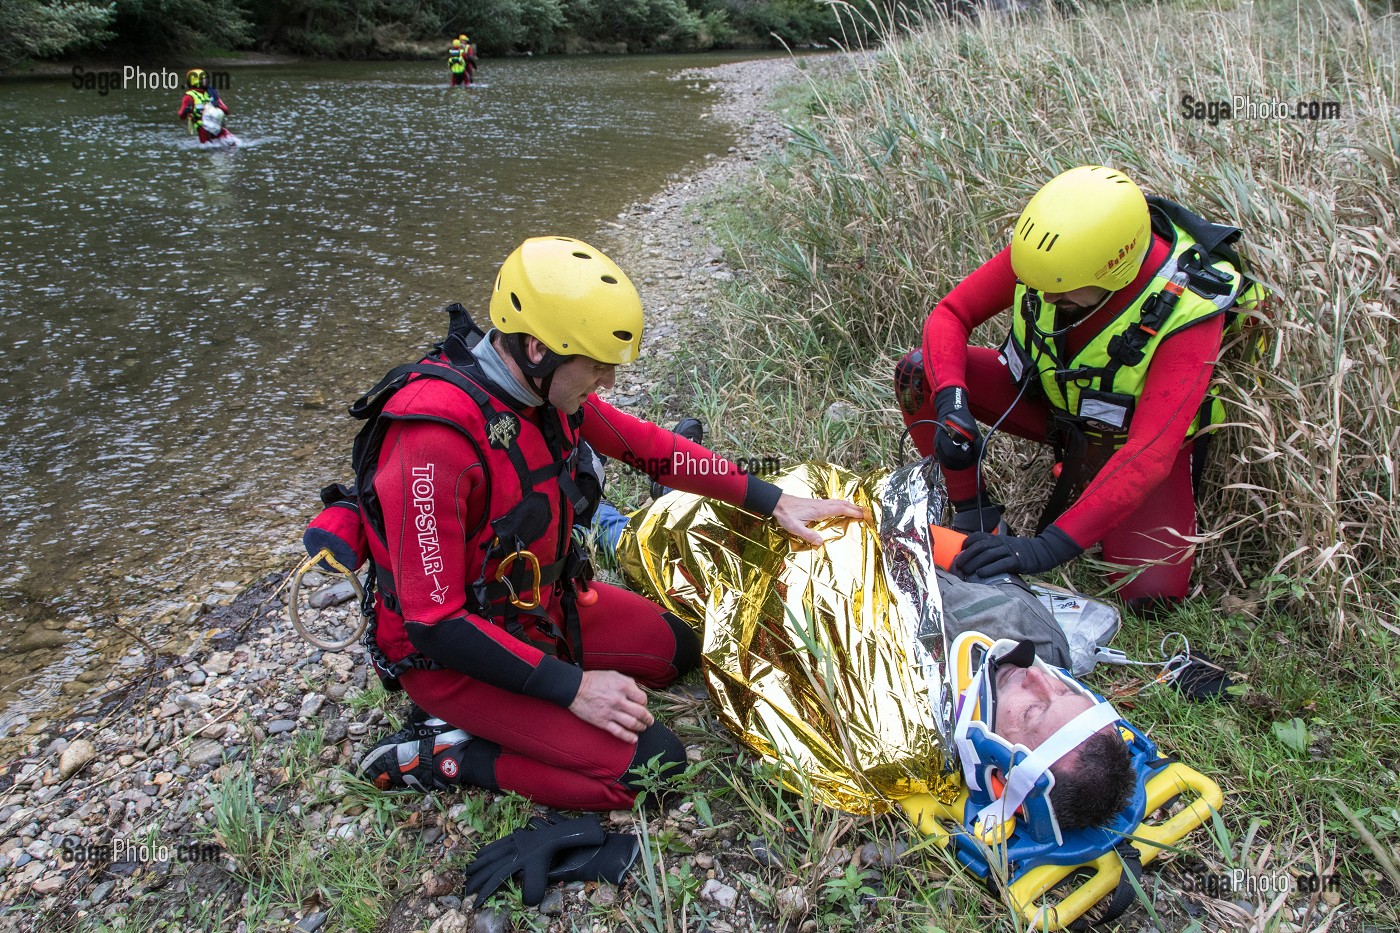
pixel 825 661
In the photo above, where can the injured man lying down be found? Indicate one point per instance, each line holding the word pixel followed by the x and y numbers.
pixel 873 679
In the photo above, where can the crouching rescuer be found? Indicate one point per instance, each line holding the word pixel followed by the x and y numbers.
pixel 525 675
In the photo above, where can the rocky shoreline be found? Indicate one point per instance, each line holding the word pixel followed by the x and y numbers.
pixel 114 803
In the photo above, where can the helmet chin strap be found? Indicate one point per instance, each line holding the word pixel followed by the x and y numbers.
pixel 544 370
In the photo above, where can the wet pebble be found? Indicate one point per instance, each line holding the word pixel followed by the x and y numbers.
pixel 278 726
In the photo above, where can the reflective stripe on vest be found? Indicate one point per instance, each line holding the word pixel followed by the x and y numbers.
pixel 1094 386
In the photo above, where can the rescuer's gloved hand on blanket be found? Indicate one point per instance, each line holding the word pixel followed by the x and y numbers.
pixel 987 555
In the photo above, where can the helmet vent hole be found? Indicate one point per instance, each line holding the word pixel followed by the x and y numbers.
pixel 623 335
pixel 582 255
pixel 515 300
pixel 611 281
pixel 1026 230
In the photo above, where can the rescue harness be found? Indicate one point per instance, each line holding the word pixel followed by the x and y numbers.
pixel 337 539
pixel 1093 421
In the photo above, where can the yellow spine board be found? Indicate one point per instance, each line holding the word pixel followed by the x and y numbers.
pixel 940 821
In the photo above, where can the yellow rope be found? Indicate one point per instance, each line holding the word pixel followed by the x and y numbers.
pixel 295 616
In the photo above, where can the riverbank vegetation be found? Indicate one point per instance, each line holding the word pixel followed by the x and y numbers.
pixel 905 178
pixel 902 177
pixel 398 29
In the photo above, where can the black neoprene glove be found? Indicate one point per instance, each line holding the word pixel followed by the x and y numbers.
pixel 532 851
pixel 606 862
pixel 986 555
pixel 958 442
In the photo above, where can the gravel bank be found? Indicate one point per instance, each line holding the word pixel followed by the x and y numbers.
pixel 140 762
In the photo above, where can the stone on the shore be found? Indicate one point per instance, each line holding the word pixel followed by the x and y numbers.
pixel 491 921
pixel 718 893
pixel 311 705
pixel 341 592
pixel 792 902
pixel 454 921
pixel 278 726
pixel 218 662
pixel 312 922
pixel 49 884
pixel 74 757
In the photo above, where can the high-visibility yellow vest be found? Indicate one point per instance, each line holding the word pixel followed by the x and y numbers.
pixel 1099 387
pixel 201 100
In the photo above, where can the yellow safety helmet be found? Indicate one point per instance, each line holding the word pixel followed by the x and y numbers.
pixel 1087 226
pixel 195 77
pixel 571 297
pixel 456 43
pixel 464 38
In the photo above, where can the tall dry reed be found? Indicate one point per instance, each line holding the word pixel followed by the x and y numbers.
pixel 907 174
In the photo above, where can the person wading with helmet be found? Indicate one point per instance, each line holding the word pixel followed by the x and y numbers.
pixel 457 64
pixel 1119 303
pixel 526 676
pixel 194 106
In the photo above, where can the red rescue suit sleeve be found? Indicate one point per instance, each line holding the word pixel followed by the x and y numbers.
pixel 667 457
pixel 186 106
pixel 1172 393
pixel 432 489
pixel 980 297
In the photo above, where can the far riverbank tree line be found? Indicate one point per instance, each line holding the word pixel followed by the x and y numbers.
pixel 109 29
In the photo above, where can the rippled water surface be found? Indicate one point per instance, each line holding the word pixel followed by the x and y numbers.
pixel 182 327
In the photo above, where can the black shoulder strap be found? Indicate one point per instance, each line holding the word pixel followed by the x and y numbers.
pixel 1214 243
pixel 462 337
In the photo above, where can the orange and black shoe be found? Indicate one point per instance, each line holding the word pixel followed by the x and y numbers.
pixel 426 755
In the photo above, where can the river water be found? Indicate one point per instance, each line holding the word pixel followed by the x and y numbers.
pixel 182 327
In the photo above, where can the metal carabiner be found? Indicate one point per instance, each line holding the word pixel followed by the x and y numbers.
pixel 528 601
